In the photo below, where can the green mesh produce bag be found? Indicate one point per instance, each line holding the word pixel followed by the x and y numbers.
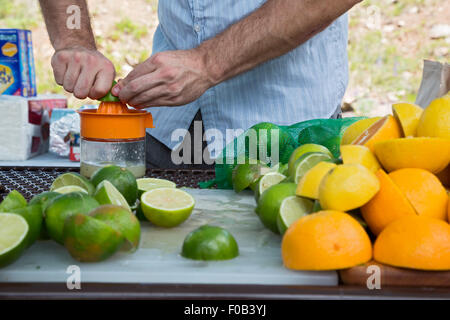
pixel 256 144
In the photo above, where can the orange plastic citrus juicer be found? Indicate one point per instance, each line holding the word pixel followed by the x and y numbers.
pixel 113 134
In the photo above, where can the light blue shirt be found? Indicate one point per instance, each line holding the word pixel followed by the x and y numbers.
pixel 306 83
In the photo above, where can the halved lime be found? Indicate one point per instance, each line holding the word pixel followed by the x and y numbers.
pixel 291 209
pixel 13 233
pixel 72 179
pixel 138 211
pixel 306 162
pixel 210 243
pixel 266 181
pixel 70 189
pixel 167 207
pixel 146 184
pixel 14 200
pixel 33 215
pixel 303 149
pixel 106 193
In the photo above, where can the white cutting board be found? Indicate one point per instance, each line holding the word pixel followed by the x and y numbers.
pixel 158 259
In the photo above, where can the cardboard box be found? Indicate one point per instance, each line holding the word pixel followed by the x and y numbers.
pixel 25 125
pixel 17 71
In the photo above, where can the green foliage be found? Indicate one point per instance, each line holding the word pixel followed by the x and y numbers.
pixel 126 25
pixel 18 14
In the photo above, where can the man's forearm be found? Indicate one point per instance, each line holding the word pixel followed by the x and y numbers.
pixel 271 31
pixel 55 15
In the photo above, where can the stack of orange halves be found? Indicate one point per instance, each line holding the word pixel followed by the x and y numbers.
pixel 394 172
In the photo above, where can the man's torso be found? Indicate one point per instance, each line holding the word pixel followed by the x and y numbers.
pixel 308 82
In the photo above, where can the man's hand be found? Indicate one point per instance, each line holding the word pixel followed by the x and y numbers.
pixel 170 78
pixel 83 72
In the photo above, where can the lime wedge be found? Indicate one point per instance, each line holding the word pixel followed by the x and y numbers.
pixel 291 209
pixel 303 149
pixel 167 207
pixel 72 179
pixel 106 193
pixel 306 162
pixel 13 233
pixel 14 200
pixel 69 189
pixel 146 184
pixel 266 181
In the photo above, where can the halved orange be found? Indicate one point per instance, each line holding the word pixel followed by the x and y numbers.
pixel 415 242
pixel 432 154
pixel 326 240
pixel 384 129
pixel 356 128
pixel 386 206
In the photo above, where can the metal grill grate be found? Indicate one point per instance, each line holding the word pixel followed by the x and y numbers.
pixel 30 181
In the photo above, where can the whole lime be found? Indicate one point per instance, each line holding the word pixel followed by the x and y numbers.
pixel 121 178
pixel 210 243
pixel 270 201
pixel 122 220
pixel 90 240
pixel 62 207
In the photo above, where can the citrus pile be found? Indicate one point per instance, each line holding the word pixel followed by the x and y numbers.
pixel 388 185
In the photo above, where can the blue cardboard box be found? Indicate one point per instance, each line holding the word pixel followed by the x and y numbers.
pixel 17 72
